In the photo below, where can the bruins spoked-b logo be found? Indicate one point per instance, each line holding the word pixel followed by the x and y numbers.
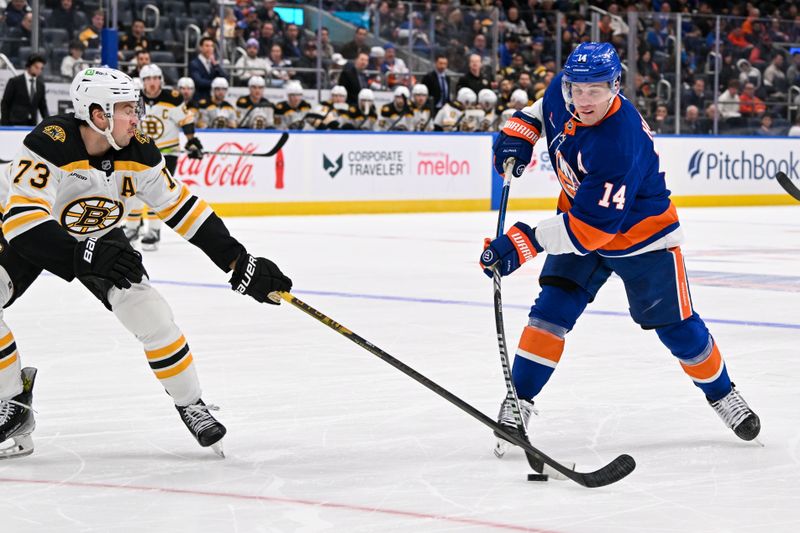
pixel 152 126
pixel 87 215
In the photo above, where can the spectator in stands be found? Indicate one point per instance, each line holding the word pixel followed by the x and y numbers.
pixel 747 72
pixel 70 65
pixel 393 68
pixel 65 16
pixel 134 38
pixel 794 131
pixel 479 49
pixel 90 35
pixel 24 95
pixel 376 55
pixel 646 66
pixel 267 38
pixel 697 95
pixel 353 78
pixel 606 32
pixel 266 13
pixel 204 68
pixel 356 46
pixel 766 129
pixel 516 67
pixel 728 70
pixel 437 83
pixel 729 101
pixel 141 59
pixel 278 66
pixel 507 50
pixel 515 26
pixel 751 105
pixel 793 72
pixel 326 49
pixel 292 43
pixel 15 12
pixel 309 61
pixel 775 78
pixel 525 83
pixel 252 26
pixel 660 123
pixel 475 79
pixel 19 36
pixel 250 64
pixel 504 93
pixel 691 123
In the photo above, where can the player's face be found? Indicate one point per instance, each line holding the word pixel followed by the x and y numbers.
pixel 256 92
pixel 187 93
pixel 419 100
pixel 152 85
pixel 294 99
pixel 338 98
pixel 591 101
pixel 365 105
pixel 126 118
pixel 219 93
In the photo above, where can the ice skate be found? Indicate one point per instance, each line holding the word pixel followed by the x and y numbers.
pixel 132 232
pixel 206 429
pixel 506 419
pixel 16 419
pixel 737 415
pixel 151 239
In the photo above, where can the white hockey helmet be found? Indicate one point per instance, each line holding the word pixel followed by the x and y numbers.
pixel 366 94
pixel 487 97
pixel 219 83
pixel 339 90
pixel 104 87
pixel 293 87
pixel 466 96
pixel 185 82
pixel 519 96
pixel 151 71
pixel 419 88
pixel 402 90
pixel 256 81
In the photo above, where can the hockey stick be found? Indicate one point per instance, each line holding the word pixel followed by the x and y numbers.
pixel 787 185
pixel 269 153
pixel 610 473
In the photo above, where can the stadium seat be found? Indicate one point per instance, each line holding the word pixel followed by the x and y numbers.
pixel 55 38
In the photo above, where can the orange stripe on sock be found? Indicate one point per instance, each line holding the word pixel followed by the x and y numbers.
pixel 707 369
pixel 684 299
pixel 175 370
pixel 166 350
pixel 542 343
pixel 8 361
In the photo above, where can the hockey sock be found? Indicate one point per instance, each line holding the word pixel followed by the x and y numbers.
pixel 10 366
pixel 133 219
pixel 698 354
pixel 153 222
pixel 538 353
pixel 143 311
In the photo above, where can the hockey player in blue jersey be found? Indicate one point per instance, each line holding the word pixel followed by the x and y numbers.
pixel 614 215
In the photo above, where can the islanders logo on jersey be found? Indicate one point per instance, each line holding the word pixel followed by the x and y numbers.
pixel 566 176
pixel 88 215
pixel 55 132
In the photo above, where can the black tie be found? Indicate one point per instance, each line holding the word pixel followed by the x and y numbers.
pixel 33 88
pixel 443 86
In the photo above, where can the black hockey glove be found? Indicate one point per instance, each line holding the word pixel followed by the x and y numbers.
pixel 194 148
pixel 257 277
pixel 111 260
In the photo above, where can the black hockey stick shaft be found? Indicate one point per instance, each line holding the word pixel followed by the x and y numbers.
pixel 788 186
pixel 611 473
pixel 269 153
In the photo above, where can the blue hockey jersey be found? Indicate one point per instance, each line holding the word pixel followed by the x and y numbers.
pixel 614 199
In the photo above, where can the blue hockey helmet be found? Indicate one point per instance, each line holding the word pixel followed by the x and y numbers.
pixel 591 63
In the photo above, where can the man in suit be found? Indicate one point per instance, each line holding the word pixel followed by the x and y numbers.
pixel 353 78
pixel 204 68
pixel 437 83
pixel 24 96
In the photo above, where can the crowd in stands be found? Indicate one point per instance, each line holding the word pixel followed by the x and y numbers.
pixel 753 89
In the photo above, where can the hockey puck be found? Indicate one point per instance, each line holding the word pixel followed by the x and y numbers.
pixel 537 477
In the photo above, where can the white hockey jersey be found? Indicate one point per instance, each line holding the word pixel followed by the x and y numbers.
pixel 165 116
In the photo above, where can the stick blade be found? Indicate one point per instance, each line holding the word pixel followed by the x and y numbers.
pixel 788 186
pixel 611 473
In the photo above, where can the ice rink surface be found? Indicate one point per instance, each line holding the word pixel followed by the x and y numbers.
pixel 323 436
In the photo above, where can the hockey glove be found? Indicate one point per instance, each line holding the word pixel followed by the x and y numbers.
pixel 194 148
pixel 516 140
pixel 111 260
pixel 511 250
pixel 257 277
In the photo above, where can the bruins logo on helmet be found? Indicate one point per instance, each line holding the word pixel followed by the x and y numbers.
pixel 141 137
pixel 88 215
pixel 152 126
pixel 55 132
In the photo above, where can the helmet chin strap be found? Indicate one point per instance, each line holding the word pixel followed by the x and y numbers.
pixel 106 132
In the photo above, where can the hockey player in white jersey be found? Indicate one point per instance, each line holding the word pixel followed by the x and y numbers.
pixel 451 114
pixel 290 114
pixel 365 115
pixel 216 112
pixel 65 195
pixel 331 114
pixel 254 111
pixel 422 108
pixel 396 115
pixel 518 100
pixel 165 117
pixel 487 101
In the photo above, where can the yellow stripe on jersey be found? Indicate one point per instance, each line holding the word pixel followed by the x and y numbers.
pixel 26 218
pixel 132 166
pixel 6 341
pixel 184 228
pixel 166 350
pixel 8 361
pixel 17 200
pixel 169 211
pixel 83 164
pixel 167 143
pixel 175 370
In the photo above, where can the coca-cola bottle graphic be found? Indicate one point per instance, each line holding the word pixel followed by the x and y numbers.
pixel 279 169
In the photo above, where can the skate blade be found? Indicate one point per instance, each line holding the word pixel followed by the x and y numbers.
pixel 22 446
pixel 500 448
pixel 217 447
pixel 149 247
